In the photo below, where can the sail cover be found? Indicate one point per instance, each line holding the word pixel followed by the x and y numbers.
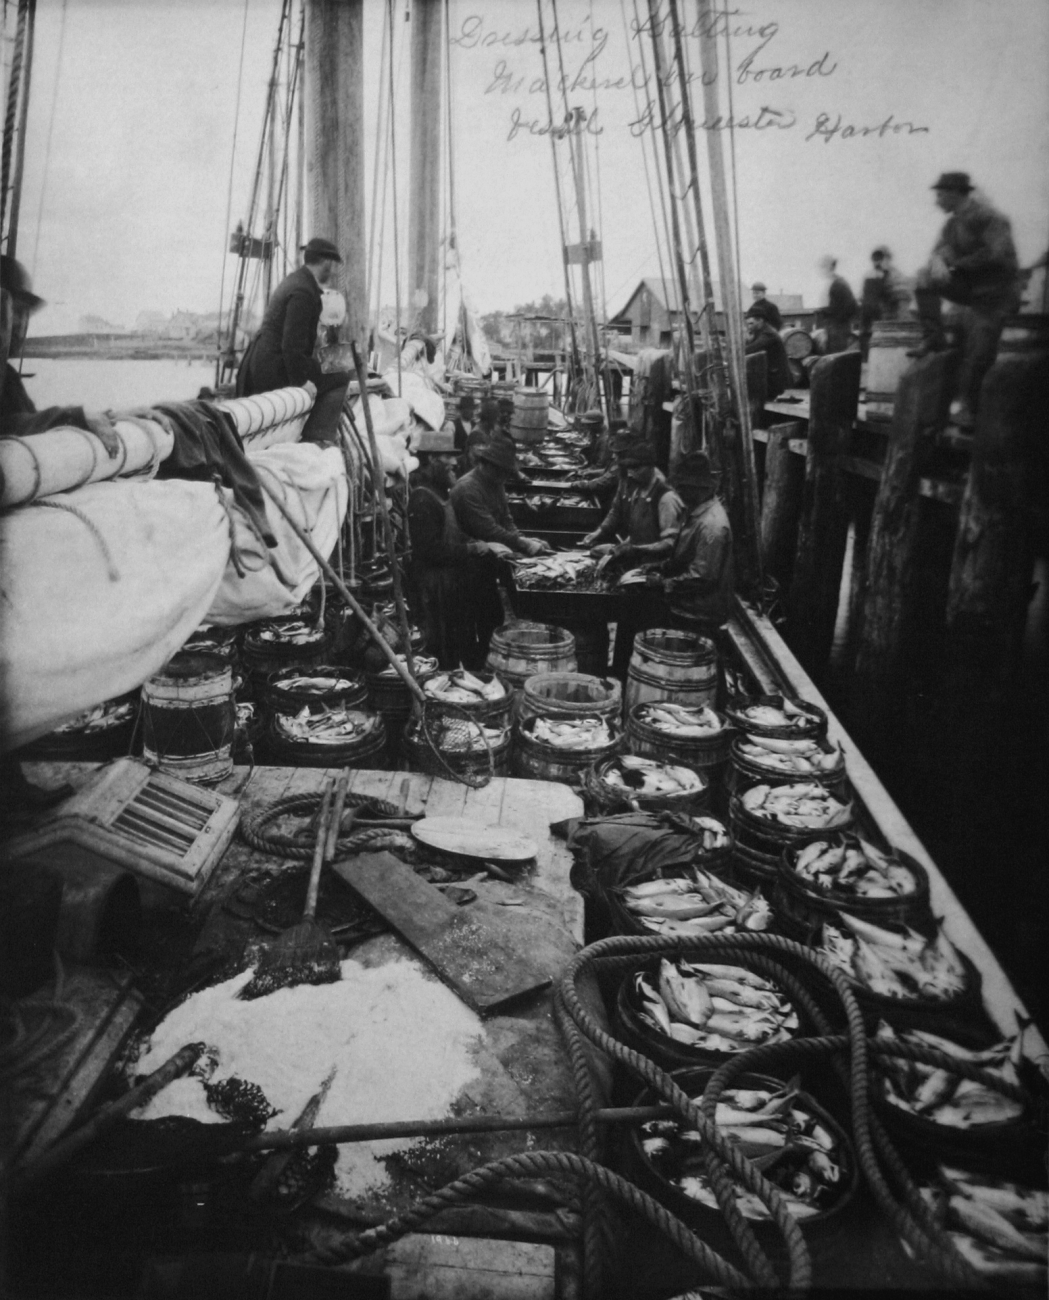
pixel 100 587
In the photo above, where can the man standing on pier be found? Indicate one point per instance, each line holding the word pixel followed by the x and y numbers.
pixel 841 309
pixel 762 308
pixel 973 266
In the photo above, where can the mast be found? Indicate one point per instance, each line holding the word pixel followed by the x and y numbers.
pixel 424 168
pixel 334 95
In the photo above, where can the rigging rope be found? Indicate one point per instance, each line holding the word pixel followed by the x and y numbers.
pixel 650 130
pixel 732 149
pixel 229 190
pixel 380 150
pixel 14 90
pixel 396 240
pixel 50 134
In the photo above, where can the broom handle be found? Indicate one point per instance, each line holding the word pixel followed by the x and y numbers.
pixel 341 588
pixel 324 819
pixel 335 823
pixel 379 484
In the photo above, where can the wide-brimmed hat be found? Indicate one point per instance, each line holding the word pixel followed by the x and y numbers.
pixel 957 181
pixel 321 248
pixel 592 417
pixel 467 402
pixel 636 450
pixel 500 452
pixel 693 471
pixel 439 441
pixel 15 279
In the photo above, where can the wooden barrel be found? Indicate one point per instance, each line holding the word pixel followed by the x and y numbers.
pixel 104 732
pixel 571 695
pixel 521 650
pixel 528 421
pixel 188 718
pixel 279 643
pixel 389 696
pixel 537 760
pixel 324 686
pixel 891 340
pixel 798 343
pixel 706 755
pixel 493 713
pixel 666 665
pixel 1024 336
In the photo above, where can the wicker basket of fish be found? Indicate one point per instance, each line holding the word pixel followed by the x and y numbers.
pixel 998 1225
pixel 766 819
pixel 798 1145
pixel 757 759
pixel 462 748
pixel 960 1119
pixel 694 737
pixel 680 1012
pixel 776 716
pixel 629 781
pixel 335 738
pixel 481 695
pixel 909 978
pixel 697 903
pixel 847 871
pixel 562 749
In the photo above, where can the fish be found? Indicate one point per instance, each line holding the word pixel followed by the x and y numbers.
pixel 652 1004
pixel 934 1088
pixel 737 973
pixel 697 925
pixel 985 1222
pixel 910 942
pixel 686 998
pixel 996 1265
pixel 743 995
pixel 752 1028
pixel 1029 1204
pixel 824 1167
pixel 675 907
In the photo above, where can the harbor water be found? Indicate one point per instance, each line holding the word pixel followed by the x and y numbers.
pixel 113 384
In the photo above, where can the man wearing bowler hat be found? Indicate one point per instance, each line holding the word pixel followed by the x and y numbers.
pixel 973 267
pixel 281 353
pixel 762 308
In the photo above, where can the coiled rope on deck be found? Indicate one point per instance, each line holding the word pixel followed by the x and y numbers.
pixel 255 828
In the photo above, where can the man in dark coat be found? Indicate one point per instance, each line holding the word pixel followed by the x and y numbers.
pixel 281 353
pixel 841 309
pixel 444 564
pixel 762 308
pixel 480 504
pixel 973 266
pixel 761 337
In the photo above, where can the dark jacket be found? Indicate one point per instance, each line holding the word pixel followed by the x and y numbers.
pixel 644 515
pixel 766 311
pixel 700 575
pixel 778 366
pixel 434 544
pixel 281 353
pixel 482 510
pixel 976 242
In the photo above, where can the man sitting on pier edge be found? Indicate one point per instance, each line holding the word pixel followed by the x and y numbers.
pixel 761 337
pixel 973 266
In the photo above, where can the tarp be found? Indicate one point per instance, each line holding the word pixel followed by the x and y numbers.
pixel 311 482
pixel 611 852
pixel 100 587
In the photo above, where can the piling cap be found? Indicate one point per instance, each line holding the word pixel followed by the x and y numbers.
pixel 958 181
pixel 15 279
pixel 321 248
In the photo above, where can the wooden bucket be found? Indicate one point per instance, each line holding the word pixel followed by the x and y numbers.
pixel 265 650
pixel 538 761
pixel 891 340
pixel 571 695
pixel 798 343
pixel 188 718
pixel 706 755
pixel 367 750
pixel 521 650
pixel 666 665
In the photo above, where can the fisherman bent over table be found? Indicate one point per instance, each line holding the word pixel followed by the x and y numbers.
pixel 648 511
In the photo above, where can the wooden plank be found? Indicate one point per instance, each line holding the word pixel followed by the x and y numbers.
pixel 477 957
pixel 422 1267
pixel 823 523
pixel 1000 998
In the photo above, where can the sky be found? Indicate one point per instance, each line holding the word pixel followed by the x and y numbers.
pixel 847 111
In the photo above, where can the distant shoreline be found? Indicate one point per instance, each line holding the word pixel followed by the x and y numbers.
pixel 118 347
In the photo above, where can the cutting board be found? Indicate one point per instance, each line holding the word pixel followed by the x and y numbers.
pixel 482 959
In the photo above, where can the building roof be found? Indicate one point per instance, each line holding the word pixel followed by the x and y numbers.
pixel 665 292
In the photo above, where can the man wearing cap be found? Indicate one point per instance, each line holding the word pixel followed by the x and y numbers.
pixel 281 353
pixel 601 477
pixel 885 296
pixel 648 512
pixel 973 266
pixel 759 336
pixel 20 302
pixel 762 308
pixel 443 561
pixel 699 577
pixel 479 499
